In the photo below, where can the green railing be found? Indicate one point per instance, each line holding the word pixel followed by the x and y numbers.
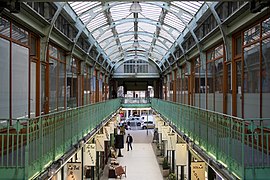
pixel 29 146
pixel 241 145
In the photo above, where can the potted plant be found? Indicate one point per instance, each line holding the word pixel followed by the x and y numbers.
pixel 165 167
pixel 172 176
pixel 160 159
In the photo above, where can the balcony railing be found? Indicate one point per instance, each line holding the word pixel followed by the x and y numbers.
pixel 242 145
pixel 29 146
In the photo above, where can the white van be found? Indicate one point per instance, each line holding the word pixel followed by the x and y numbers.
pixel 150 118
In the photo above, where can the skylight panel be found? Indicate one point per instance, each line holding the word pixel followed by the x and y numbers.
pixel 105 35
pixel 174 21
pixel 126 38
pixel 129 26
pixel 145 38
pixel 156 55
pixel 146 27
pixel 145 45
pixel 191 6
pixel 120 11
pixel 100 31
pixel 168 36
pixel 161 45
pixel 114 56
pixel 80 7
pixel 98 21
pixel 106 41
pixel 150 11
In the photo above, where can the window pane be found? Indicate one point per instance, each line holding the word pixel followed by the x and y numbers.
pixel 42 88
pixel 61 87
pixel 4 27
pixel 53 51
pixel 52 82
pixel 229 89
pixel 238 89
pixel 266 27
pixel 238 50
pixel 33 46
pixel 266 78
pixel 20 67
pixel 252 81
pixel 19 34
pixel 33 90
pixel 4 78
pixel 252 34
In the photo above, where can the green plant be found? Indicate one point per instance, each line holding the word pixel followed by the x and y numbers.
pixel 165 164
pixel 171 176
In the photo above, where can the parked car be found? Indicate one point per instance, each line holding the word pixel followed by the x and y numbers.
pixel 148 124
pixel 134 121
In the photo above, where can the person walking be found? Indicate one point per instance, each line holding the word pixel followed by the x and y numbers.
pixel 129 141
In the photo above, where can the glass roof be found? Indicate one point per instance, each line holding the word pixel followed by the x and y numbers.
pixel 156 27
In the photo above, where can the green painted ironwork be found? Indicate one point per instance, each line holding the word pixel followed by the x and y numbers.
pixel 241 145
pixel 29 146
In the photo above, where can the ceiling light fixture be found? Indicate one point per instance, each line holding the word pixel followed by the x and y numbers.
pixel 135 7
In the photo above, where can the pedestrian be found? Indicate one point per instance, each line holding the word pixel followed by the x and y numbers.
pixel 129 141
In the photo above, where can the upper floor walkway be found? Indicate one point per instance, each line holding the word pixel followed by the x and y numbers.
pixel 236 147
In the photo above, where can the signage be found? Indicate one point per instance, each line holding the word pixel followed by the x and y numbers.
pixel 106 131
pixel 100 142
pixel 74 171
pixel 90 154
pixel 181 154
pixel 160 124
pixel 165 130
pixel 111 125
pixel 171 141
pixel 197 170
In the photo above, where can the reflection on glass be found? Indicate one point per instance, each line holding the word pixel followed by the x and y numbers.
pixel 4 27
pixel 266 27
pixel 4 78
pixel 42 84
pixel 33 90
pixel 266 77
pixel 53 80
pixel 266 66
pixel 252 69
pixel 61 87
pixel 20 66
pixel 19 34
pixel 252 34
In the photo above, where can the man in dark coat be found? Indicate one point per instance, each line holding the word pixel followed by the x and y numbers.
pixel 129 141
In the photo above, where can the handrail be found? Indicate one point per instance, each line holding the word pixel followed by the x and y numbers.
pixel 242 145
pixel 28 148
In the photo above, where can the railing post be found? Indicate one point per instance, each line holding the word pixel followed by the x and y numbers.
pixel 242 149
pixel 26 152
pixel 54 135
pixel 41 141
pixel 217 134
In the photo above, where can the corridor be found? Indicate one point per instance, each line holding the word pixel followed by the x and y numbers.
pixel 141 162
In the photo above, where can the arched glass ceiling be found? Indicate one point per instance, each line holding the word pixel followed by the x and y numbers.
pixel 156 27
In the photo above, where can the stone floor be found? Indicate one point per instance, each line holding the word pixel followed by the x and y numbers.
pixel 140 162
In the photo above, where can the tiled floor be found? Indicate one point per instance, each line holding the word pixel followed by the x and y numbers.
pixel 140 162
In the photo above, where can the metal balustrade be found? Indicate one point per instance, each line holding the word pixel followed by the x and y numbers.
pixel 241 145
pixel 29 146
